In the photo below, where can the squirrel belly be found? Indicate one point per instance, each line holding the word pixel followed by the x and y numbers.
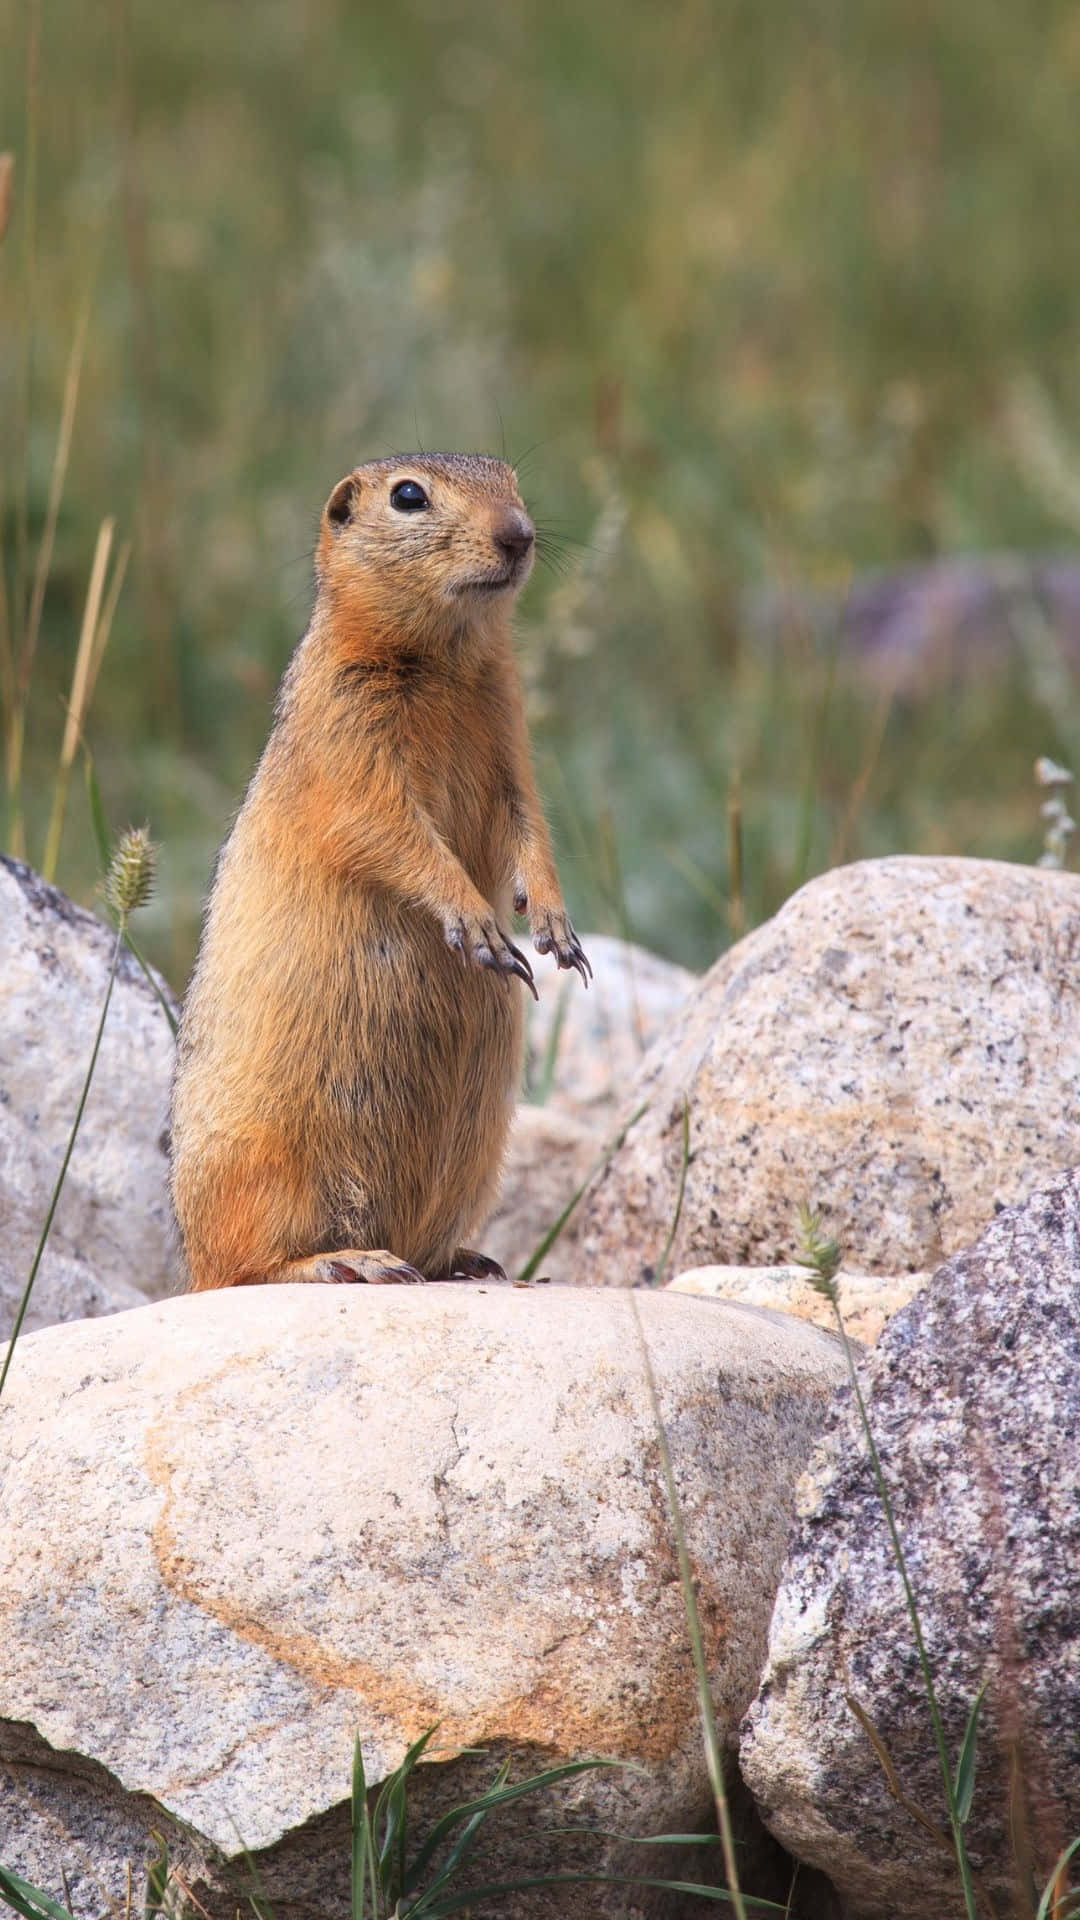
pixel 351 1040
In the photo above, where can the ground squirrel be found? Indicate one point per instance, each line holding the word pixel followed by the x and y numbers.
pixel 351 1038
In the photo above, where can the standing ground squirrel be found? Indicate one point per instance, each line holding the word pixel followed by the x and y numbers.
pixel 351 1038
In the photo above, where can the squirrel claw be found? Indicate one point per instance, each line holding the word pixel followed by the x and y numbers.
pixel 555 934
pixel 467 1265
pixel 487 945
pixel 521 967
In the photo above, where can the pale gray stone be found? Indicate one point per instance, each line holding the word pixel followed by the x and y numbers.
pixel 899 1047
pixel 549 1158
pixel 241 1526
pixel 974 1401
pixel 868 1300
pixel 584 1047
pixel 111 1242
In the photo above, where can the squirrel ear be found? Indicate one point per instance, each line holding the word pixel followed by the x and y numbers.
pixel 339 507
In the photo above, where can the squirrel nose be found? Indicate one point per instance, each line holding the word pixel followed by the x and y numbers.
pixel 513 534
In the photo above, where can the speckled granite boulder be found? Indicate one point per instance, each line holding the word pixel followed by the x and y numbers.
pixel 111 1243
pixel 974 1401
pixel 900 1047
pixel 241 1526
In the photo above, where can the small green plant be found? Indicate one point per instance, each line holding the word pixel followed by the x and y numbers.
pixel 1060 826
pixel 388 1884
pixel 129 883
pixel 547 1240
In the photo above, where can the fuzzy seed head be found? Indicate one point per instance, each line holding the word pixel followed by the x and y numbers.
pixel 130 879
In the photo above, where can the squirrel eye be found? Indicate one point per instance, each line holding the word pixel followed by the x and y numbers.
pixel 408 496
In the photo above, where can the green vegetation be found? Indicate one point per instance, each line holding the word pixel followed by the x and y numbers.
pixel 761 300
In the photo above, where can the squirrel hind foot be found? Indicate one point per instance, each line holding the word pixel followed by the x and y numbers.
pixel 465 1264
pixel 350 1266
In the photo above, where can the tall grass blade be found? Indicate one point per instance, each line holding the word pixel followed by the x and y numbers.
pixel 540 1094
pixel 24 395
pixel 468 1897
pixel 545 1244
pixel 684 1163
pixel 98 822
pixel 100 828
pixel 465 1842
pixel 955 1823
pixel 27 648
pixel 713 1754
pixel 128 886
pixel 157 1881
pixel 892 1778
pixel 1052 1893
pixel 496 1796
pixel 361 1836
pixel 7 191
pixel 62 1175
pixel 30 1901
pixel 80 686
pixel 964 1783
pixel 736 903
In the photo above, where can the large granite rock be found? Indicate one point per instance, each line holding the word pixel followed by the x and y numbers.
pixel 899 1047
pixel 240 1526
pixel 974 1401
pixel 111 1242
pixel 583 1049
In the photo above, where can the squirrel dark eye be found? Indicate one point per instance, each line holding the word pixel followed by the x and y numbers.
pixel 408 496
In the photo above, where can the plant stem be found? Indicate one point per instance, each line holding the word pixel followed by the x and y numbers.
pixel 684 1162
pixel 955 1822
pixel 713 1757
pixel 25 1302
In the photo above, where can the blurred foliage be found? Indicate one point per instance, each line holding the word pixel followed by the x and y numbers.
pixel 755 295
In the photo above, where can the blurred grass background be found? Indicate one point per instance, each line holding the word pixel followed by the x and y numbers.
pixel 762 299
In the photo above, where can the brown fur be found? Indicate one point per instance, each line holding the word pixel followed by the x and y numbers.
pixel 351 1037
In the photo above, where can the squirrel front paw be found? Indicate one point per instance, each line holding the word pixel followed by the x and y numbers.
pixel 553 932
pixel 481 940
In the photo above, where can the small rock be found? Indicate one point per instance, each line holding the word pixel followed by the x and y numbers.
pixel 899 1047
pixel 583 1049
pixel 239 1526
pixel 974 1399
pixel 867 1300
pixel 549 1159
pixel 114 1217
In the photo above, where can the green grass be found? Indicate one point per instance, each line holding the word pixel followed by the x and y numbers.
pixel 765 295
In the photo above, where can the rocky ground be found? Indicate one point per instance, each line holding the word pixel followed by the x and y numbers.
pixel 239 1527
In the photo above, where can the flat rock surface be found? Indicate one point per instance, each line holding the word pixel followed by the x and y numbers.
pixel 111 1240
pixel 240 1526
pixel 584 1047
pixel 974 1401
pixel 899 1048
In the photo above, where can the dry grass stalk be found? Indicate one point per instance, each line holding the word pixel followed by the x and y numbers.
pixel 7 190
pixel 97 620
pixel 24 665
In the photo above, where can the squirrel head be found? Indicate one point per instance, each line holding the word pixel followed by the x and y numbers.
pixel 424 544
